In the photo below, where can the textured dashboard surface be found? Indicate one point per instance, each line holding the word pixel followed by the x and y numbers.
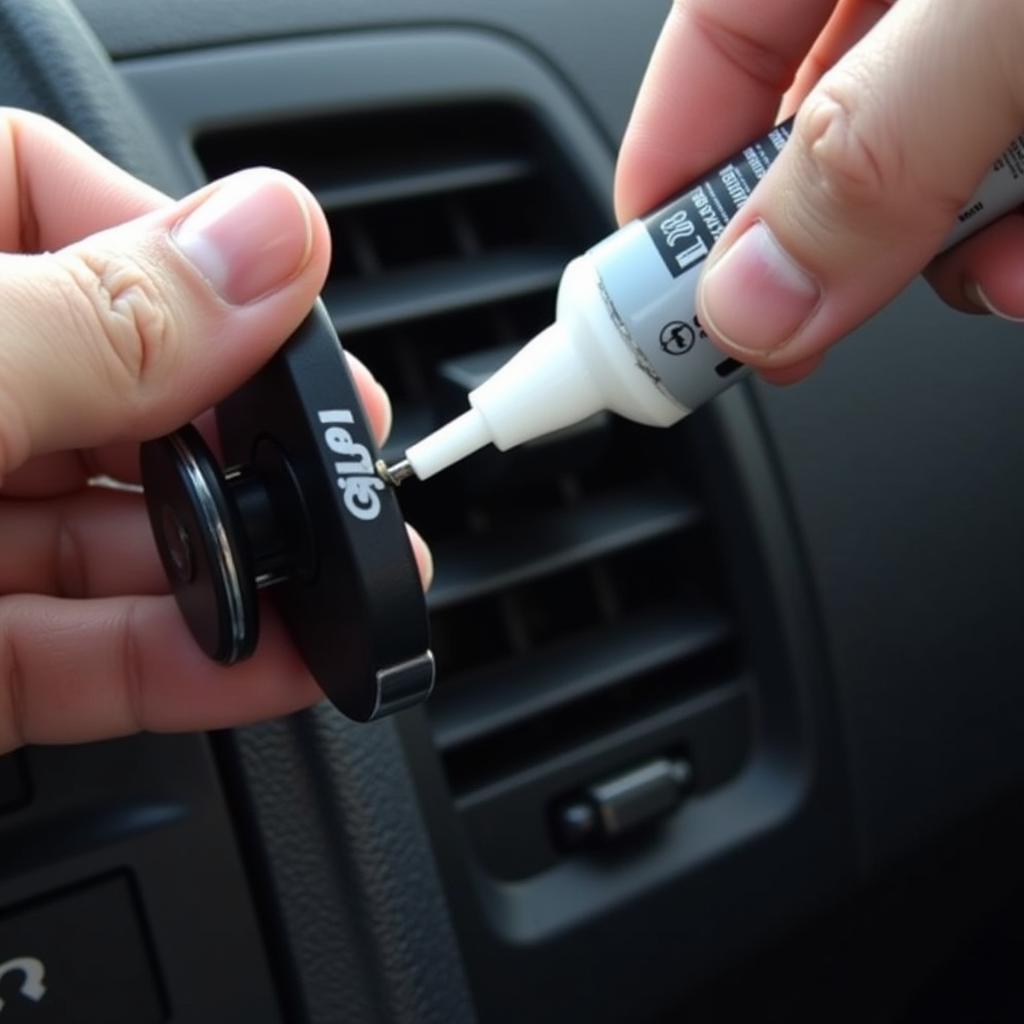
pixel 351 871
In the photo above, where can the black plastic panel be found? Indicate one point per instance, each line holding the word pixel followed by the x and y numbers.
pixel 905 459
pixel 152 807
pixel 727 871
pixel 14 786
pixel 78 957
pixel 712 731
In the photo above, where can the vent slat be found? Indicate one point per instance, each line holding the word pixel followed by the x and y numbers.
pixel 505 695
pixel 409 181
pixel 412 423
pixel 432 288
pixel 474 567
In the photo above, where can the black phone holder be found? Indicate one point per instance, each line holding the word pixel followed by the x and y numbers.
pixel 303 512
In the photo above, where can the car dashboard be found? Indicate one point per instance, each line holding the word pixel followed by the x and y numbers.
pixel 783 635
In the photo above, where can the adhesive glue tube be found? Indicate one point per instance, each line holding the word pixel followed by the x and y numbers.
pixel 626 335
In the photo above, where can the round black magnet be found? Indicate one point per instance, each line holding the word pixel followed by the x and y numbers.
pixel 199 537
pixel 303 512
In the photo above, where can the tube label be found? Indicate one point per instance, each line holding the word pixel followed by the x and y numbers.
pixel 1000 191
pixel 685 230
pixel 649 290
pixel 648 271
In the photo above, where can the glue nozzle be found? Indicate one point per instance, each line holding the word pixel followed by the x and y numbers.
pixel 546 386
pixel 454 441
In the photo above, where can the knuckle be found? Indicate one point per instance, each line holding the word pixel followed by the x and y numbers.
pixel 848 165
pixel 120 308
pixel 860 170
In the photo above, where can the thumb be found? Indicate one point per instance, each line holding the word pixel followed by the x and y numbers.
pixel 886 150
pixel 137 329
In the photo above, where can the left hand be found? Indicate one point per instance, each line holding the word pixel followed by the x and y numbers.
pixel 126 314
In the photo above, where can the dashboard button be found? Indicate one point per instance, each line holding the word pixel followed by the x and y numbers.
pixel 78 958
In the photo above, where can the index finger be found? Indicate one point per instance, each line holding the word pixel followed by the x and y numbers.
pixel 714 83
pixel 54 189
pixel 72 671
pixel 61 472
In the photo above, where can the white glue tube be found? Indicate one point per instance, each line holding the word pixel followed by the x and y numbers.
pixel 626 335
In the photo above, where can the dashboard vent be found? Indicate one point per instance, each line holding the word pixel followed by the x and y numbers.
pixel 579 615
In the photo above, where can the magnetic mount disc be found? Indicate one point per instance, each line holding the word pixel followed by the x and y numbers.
pixel 303 512
pixel 199 537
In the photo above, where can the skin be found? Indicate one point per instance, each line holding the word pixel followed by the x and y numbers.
pixel 903 106
pixel 112 336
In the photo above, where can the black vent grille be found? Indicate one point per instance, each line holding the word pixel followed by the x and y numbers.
pixel 579 615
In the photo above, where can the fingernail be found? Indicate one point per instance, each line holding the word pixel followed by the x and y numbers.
pixel 756 297
pixel 250 237
pixel 977 295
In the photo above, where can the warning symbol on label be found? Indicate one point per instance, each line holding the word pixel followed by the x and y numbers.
pixel 677 338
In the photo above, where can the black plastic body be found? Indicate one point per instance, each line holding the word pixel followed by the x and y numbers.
pixel 353 603
pixel 149 813
pixel 303 511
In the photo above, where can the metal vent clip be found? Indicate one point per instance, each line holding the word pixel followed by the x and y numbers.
pixel 304 513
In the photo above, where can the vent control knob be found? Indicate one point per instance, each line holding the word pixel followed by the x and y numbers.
pixel 304 513
pixel 623 803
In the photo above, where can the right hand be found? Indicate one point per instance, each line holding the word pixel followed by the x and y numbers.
pixel 903 107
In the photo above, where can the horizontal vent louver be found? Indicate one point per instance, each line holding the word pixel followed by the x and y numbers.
pixel 572 605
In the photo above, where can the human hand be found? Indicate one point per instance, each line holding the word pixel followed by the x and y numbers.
pixel 134 315
pixel 903 107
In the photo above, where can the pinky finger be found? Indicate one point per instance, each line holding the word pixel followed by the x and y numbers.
pixel 986 273
pixel 72 671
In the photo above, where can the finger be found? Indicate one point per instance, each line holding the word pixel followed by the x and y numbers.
pixel 58 473
pixel 713 84
pixel 72 671
pixel 850 22
pixel 424 558
pixel 136 330
pixel 985 274
pixel 786 375
pixel 63 472
pixel 94 543
pixel 375 399
pixel 54 189
pixel 97 543
pixel 884 154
